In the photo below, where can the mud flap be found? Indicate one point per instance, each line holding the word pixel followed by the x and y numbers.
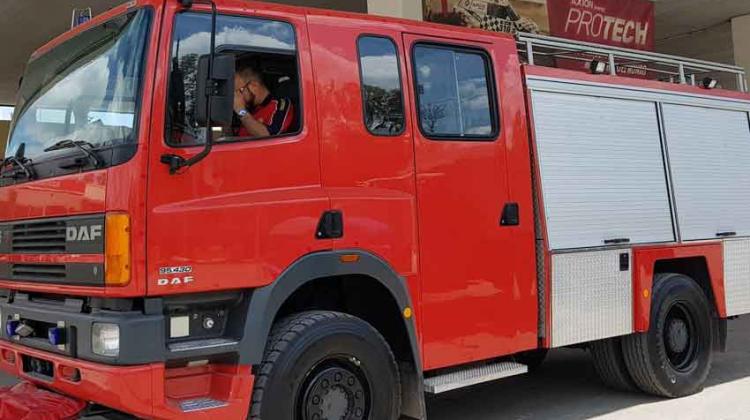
pixel 27 402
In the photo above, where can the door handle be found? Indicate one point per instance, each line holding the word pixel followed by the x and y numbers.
pixel 726 234
pixel 510 216
pixel 616 241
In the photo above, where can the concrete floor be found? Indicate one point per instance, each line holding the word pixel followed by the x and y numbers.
pixel 567 388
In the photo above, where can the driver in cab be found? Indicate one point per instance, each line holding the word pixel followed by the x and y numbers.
pixel 260 112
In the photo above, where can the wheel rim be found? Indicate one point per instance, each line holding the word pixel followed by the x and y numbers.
pixel 680 337
pixel 335 389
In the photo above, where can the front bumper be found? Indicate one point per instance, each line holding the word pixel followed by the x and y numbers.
pixel 148 391
pixel 141 335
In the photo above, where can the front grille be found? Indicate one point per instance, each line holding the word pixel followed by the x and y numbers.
pixel 25 241
pixel 38 237
pixel 78 274
pixel 64 235
pixel 39 272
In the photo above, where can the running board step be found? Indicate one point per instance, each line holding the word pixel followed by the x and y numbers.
pixel 201 404
pixel 472 376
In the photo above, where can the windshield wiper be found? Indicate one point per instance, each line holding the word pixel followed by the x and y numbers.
pixel 26 170
pixel 84 146
pixel 19 160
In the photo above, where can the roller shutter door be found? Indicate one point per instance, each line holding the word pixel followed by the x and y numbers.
pixel 602 170
pixel 709 152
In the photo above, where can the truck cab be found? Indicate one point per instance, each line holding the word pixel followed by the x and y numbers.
pixel 167 282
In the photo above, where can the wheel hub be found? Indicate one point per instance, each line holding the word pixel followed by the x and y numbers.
pixel 334 393
pixel 677 336
pixel 680 338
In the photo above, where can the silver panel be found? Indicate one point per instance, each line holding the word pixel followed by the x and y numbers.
pixel 541 277
pixel 591 298
pixel 737 276
pixel 709 153
pixel 473 376
pixel 540 248
pixel 602 170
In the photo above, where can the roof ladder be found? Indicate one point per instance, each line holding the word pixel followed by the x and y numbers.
pixel 550 51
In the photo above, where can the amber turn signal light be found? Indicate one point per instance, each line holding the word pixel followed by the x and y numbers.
pixel 117 250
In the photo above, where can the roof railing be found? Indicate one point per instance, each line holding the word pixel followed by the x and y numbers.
pixel 547 50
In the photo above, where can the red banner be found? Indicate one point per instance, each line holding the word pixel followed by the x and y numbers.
pixel 621 23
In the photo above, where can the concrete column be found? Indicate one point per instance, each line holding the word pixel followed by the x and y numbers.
pixel 4 127
pixel 740 37
pixel 409 9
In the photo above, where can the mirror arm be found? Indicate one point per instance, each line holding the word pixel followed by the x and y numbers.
pixel 175 162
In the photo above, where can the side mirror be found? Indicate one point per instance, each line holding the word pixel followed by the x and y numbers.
pixel 21 152
pixel 218 88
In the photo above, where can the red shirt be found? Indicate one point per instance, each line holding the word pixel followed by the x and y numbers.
pixel 277 114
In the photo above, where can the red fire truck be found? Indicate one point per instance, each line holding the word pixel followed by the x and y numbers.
pixel 446 206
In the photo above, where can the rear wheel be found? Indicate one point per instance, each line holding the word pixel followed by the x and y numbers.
pixel 609 363
pixel 674 357
pixel 326 365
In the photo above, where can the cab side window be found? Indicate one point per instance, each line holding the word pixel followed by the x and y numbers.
pixel 455 93
pixel 382 97
pixel 267 47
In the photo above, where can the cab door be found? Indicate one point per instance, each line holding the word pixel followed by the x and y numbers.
pixel 251 208
pixel 475 303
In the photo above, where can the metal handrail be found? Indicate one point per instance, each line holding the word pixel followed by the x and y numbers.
pixel 682 68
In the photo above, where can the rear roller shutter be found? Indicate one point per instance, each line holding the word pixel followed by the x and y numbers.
pixel 709 152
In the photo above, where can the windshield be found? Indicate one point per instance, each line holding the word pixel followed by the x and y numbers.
pixel 86 90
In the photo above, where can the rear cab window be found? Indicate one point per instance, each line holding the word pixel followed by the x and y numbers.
pixel 455 93
pixel 382 95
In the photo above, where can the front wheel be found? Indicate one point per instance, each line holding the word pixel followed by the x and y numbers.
pixel 326 365
pixel 674 357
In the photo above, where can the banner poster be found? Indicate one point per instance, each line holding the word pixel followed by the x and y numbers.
pixel 494 15
pixel 620 23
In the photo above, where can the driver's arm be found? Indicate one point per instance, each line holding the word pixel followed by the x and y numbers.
pixel 253 126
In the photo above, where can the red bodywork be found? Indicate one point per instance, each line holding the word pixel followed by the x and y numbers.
pixel 148 391
pixel 430 209
pixel 644 260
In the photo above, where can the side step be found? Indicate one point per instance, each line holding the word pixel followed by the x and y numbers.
pixel 201 404
pixel 472 376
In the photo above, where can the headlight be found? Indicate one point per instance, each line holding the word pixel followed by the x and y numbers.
pixel 105 339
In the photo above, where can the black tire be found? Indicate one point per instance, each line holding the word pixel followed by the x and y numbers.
pixel 609 363
pixel 533 359
pixel 326 363
pixel 673 359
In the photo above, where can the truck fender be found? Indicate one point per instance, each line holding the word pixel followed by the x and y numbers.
pixel 266 302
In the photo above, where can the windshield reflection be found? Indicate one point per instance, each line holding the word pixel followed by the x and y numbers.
pixel 86 89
